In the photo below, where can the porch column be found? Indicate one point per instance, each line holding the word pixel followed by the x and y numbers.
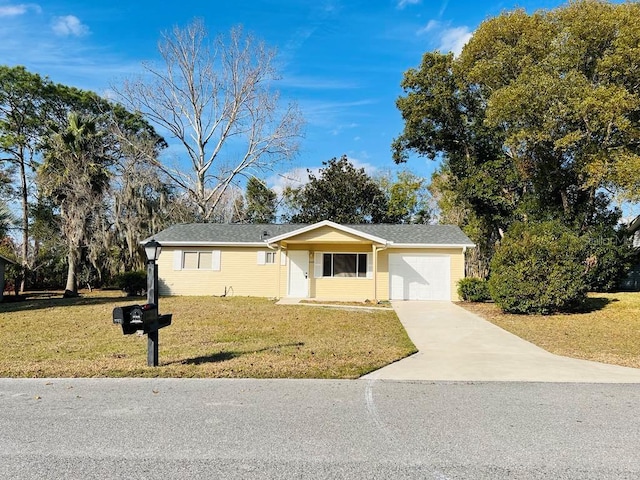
pixel 279 270
pixel 375 272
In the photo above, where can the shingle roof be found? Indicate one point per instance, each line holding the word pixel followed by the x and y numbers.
pixel 221 233
pixel 417 234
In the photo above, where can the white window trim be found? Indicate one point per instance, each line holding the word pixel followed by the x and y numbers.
pixel 178 260
pixel 216 260
pixel 263 257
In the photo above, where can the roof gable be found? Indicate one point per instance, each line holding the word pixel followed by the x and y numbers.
pixel 322 227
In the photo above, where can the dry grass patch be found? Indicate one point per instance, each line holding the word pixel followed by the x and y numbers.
pixel 209 337
pixel 608 331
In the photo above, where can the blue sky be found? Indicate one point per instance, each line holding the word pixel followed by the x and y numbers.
pixel 341 61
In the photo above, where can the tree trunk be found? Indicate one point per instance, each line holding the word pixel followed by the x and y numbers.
pixel 71 290
pixel 565 201
pixel 25 222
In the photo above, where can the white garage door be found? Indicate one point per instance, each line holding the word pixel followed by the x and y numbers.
pixel 420 277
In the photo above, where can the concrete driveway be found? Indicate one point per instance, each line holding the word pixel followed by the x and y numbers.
pixel 457 345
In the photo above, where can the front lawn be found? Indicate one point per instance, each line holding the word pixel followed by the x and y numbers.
pixel 609 331
pixel 209 337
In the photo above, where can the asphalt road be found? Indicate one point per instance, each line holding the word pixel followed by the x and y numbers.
pixel 287 429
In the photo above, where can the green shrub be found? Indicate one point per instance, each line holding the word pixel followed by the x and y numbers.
pixel 473 290
pixel 609 258
pixel 134 283
pixel 539 268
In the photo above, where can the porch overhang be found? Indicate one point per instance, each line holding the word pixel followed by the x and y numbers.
pixel 290 237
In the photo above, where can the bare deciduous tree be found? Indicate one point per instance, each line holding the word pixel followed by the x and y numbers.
pixel 216 99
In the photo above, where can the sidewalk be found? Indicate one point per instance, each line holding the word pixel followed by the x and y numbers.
pixel 457 345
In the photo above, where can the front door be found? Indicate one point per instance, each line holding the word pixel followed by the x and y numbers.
pixel 298 273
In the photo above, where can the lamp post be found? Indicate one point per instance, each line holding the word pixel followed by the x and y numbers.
pixel 152 249
pixel 146 318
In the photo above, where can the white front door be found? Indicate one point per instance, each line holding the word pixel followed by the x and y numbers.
pixel 298 273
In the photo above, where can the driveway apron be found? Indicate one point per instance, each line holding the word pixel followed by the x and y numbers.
pixel 457 345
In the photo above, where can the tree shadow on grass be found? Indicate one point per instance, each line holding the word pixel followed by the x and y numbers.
pixel 594 304
pixel 229 355
pixel 42 301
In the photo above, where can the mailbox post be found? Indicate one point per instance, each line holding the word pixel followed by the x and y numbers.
pixel 145 318
pixel 152 249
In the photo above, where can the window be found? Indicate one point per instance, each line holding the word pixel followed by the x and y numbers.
pixel 344 265
pixel 196 260
pixel 266 257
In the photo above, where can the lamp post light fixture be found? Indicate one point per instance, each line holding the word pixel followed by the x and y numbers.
pixel 152 250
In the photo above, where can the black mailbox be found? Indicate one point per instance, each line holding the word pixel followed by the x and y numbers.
pixel 144 314
pixel 136 317
pixel 122 316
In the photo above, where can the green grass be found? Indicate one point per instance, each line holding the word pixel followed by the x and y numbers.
pixel 209 337
pixel 608 331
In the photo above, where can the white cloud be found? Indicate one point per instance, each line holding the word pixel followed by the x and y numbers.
pixel 453 39
pixel 449 39
pixel 292 178
pixel 340 128
pixel 432 25
pixel 443 7
pixel 327 114
pixel 316 83
pixel 368 167
pixel 69 25
pixel 404 3
pixel 18 9
pixel 299 177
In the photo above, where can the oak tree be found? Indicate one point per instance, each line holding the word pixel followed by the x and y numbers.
pixel 261 202
pixel 537 119
pixel 341 193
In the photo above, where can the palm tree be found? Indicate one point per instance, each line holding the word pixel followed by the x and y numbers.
pixel 75 176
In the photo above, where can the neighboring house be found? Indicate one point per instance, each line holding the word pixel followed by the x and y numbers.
pixel 632 282
pixel 634 230
pixel 3 262
pixel 325 261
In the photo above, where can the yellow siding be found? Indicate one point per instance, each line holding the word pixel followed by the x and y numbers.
pixel 457 267
pixel 239 275
pixel 383 275
pixel 325 235
pixel 457 273
pixel 356 289
pixel 333 248
pixel 283 274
